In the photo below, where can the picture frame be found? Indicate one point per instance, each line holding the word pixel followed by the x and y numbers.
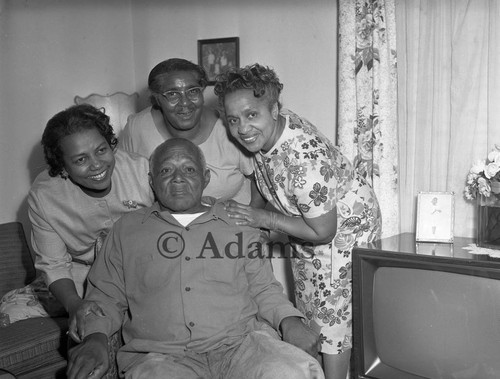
pixel 435 217
pixel 218 54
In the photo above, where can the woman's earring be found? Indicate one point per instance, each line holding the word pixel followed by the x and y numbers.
pixel 64 174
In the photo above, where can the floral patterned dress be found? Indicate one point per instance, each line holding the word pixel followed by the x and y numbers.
pixel 304 175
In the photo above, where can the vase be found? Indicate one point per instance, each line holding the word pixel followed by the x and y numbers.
pixel 488 225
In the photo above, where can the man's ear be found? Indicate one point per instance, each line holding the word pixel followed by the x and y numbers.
pixel 275 111
pixel 207 178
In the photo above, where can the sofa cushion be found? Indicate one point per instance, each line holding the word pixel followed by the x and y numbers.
pixel 20 304
pixel 32 301
pixel 33 343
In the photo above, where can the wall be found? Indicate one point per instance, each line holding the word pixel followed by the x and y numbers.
pixel 50 51
pixel 295 37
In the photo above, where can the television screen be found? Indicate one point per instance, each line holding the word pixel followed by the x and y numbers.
pixel 425 317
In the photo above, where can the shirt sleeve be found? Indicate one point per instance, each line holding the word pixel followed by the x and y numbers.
pixel 51 255
pixel 266 291
pixel 106 286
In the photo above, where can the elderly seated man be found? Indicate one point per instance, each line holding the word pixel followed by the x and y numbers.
pixel 193 292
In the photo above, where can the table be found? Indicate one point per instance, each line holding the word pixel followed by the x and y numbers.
pixel 405 243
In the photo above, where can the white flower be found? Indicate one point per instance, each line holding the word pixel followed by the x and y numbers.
pixel 491 170
pixel 467 193
pixel 472 177
pixel 483 186
pixel 482 174
pixel 478 166
pixel 494 156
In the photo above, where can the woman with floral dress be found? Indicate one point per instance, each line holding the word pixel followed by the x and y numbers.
pixel 326 208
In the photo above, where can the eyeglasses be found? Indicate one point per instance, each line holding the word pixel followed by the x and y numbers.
pixel 173 97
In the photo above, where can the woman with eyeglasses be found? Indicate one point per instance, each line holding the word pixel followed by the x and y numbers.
pixel 324 206
pixel 178 110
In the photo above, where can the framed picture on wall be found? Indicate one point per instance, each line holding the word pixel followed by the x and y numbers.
pixel 435 216
pixel 218 54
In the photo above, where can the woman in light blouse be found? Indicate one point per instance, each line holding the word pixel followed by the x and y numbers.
pixel 88 185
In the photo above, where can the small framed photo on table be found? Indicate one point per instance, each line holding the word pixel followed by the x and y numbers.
pixel 434 248
pixel 218 54
pixel 435 217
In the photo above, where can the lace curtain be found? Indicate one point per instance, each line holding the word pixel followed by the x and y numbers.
pixel 448 98
pixel 367 82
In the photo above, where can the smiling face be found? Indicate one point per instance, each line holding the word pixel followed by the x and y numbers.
pixel 89 161
pixel 178 177
pixel 252 121
pixel 186 114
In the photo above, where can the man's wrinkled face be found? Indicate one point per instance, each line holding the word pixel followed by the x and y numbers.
pixel 178 177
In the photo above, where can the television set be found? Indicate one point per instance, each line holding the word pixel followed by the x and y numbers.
pixel 427 315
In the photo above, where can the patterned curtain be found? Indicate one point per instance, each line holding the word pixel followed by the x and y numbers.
pixel 367 109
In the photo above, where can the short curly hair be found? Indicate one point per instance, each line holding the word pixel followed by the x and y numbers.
pixel 262 80
pixel 172 65
pixel 70 121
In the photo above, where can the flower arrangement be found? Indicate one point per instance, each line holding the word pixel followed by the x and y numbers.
pixel 483 175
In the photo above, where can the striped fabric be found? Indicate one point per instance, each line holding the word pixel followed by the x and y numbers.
pixel 33 344
pixel 16 264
